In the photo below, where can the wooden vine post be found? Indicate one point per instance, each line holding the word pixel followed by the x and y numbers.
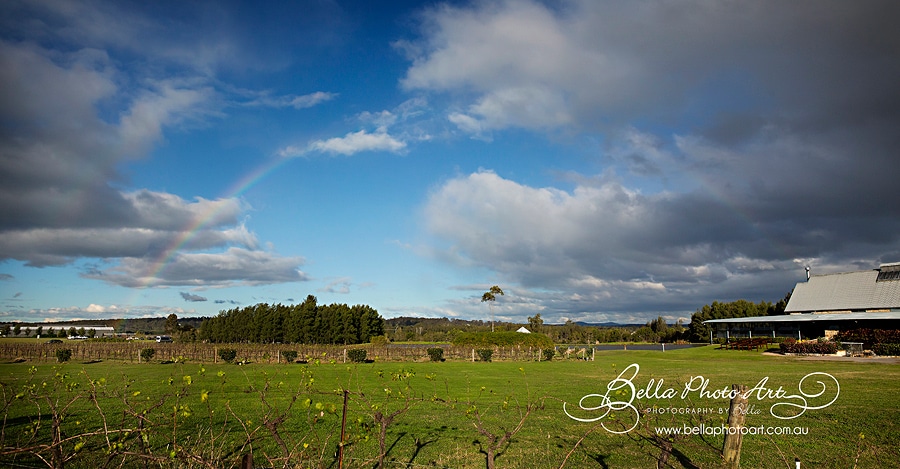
pixel 731 449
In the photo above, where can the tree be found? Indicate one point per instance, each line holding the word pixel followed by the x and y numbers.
pixel 782 304
pixel 303 323
pixel 700 332
pixel 535 323
pixel 491 296
pixel 171 323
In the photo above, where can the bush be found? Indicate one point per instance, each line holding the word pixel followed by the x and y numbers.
pixel 289 356
pixel 807 348
pixel 548 353
pixel 357 355
pixel 227 354
pixel 147 354
pixel 502 339
pixel 870 337
pixel 63 354
pixel 887 349
pixel 379 340
pixel 436 354
pixel 485 354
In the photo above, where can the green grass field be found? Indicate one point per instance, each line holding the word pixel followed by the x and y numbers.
pixel 113 414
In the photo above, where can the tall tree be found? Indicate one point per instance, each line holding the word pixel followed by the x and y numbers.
pixel 491 296
pixel 535 323
pixel 171 323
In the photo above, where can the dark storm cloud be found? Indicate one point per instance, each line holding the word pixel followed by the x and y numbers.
pixel 72 114
pixel 230 302
pixel 191 297
pixel 779 148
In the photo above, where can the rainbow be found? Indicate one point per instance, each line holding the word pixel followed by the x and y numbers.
pixel 190 231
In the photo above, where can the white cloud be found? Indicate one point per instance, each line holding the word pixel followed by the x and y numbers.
pixel 153 223
pixel 528 107
pixel 467 123
pixel 99 311
pixel 234 266
pixel 339 286
pixel 356 142
pixel 297 102
pixel 143 122
pixel 588 64
pixel 617 249
pixel 62 202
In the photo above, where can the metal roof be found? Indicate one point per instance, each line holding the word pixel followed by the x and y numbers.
pixel 809 317
pixel 848 291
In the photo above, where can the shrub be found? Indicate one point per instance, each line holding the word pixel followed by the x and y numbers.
pixel 548 353
pixel 227 354
pixel 870 337
pixel 379 340
pixel 436 354
pixel 290 356
pixel 502 339
pixel 357 355
pixel 485 354
pixel 63 354
pixel 147 354
pixel 887 349
pixel 806 348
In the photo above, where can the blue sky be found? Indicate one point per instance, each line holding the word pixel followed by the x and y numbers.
pixel 600 161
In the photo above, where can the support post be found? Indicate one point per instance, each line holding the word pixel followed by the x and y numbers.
pixel 343 427
pixel 731 448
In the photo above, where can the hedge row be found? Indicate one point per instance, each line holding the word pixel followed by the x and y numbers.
pixel 887 350
pixel 809 348
pixel 870 337
pixel 502 339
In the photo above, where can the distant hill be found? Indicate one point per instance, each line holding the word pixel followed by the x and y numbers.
pixel 606 324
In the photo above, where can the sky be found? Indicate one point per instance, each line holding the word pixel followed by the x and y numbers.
pixel 600 161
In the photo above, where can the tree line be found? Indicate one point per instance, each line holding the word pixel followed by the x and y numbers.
pixel 699 332
pixel 307 323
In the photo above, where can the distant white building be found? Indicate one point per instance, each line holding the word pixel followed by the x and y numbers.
pixel 523 330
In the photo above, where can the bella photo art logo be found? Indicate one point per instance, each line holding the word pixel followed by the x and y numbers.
pixel 621 394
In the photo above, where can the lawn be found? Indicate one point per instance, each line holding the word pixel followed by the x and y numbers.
pixel 449 414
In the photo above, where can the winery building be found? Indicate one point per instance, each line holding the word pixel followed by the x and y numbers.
pixel 825 304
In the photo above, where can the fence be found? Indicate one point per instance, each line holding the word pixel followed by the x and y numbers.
pixel 86 351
